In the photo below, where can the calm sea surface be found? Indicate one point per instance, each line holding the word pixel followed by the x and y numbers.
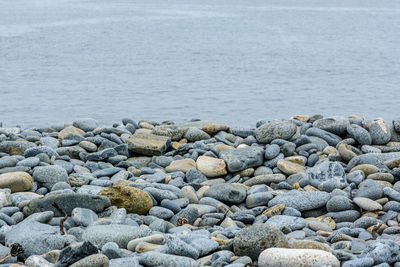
pixel 233 61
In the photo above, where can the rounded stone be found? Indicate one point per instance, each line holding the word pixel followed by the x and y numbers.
pixel 16 181
pixel 50 175
pixel 251 241
pixel 289 167
pixel 380 132
pixel 275 130
pixel 367 204
pixel 68 130
pixel 271 151
pixel 95 260
pixel 359 134
pixel 211 167
pixel 273 257
pixel 367 169
pixel 183 165
pixel 230 193
pixel 132 199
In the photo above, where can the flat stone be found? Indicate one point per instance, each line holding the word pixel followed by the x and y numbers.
pixel 230 193
pixel 211 167
pixel 132 199
pixel 143 142
pixel 183 165
pixel 296 257
pixel 291 222
pixel 369 189
pixel 95 260
pixel 153 258
pixel 207 126
pixel 67 202
pixel 376 159
pixel 289 168
pixel 367 204
pixel 275 130
pixel 265 179
pixel 172 131
pixel 74 253
pixel 86 124
pixel 15 147
pixel 335 124
pixel 242 158
pixel 118 233
pixel 16 181
pixel 300 200
pixel 194 134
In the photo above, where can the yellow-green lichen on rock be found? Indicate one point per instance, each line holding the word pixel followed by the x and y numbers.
pixel 132 199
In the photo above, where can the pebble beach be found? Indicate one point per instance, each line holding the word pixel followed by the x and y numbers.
pixel 307 191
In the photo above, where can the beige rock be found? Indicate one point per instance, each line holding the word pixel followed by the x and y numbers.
pixel 95 260
pixel 146 143
pixel 308 244
pixel 172 131
pixel 176 145
pixel 289 168
pixel 146 125
pixel 394 163
pixel 345 152
pixel 132 199
pixel 211 167
pixel 157 239
pixel 246 172
pixel 367 169
pixel 183 165
pixel 318 225
pixel 381 176
pixel 274 210
pixel 299 160
pixel 145 246
pixel 16 181
pixel 367 204
pixel 209 127
pixel 283 257
pixel 341 237
pixel 222 147
pixel 327 220
pixel 383 184
pixel 68 130
pixel 303 118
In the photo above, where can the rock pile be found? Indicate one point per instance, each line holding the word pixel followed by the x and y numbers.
pixel 309 191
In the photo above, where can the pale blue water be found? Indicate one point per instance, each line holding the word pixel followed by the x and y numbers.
pixel 233 61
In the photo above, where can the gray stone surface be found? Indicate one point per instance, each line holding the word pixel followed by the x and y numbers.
pixel 275 130
pixel 229 193
pixel 50 175
pixel 118 233
pixel 301 201
pixel 327 176
pixel 242 158
pixel 291 222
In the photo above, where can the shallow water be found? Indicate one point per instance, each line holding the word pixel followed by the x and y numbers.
pixel 233 61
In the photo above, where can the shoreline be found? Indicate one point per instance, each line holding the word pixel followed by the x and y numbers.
pixel 308 190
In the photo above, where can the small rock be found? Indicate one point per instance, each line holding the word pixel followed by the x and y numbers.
pixel 16 181
pixel 211 167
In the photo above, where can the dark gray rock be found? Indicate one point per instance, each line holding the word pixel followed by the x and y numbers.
pixel 86 124
pixel 229 193
pixel 359 134
pixel 74 253
pixel 339 203
pixel 344 216
pixel 242 158
pixel 195 176
pixel 67 202
pixel 336 125
pixel 330 138
pixel 275 130
pixel 251 241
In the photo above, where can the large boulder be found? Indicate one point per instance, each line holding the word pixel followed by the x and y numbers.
pixel 275 130
pixel 242 158
pixel 146 143
pixel 132 199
